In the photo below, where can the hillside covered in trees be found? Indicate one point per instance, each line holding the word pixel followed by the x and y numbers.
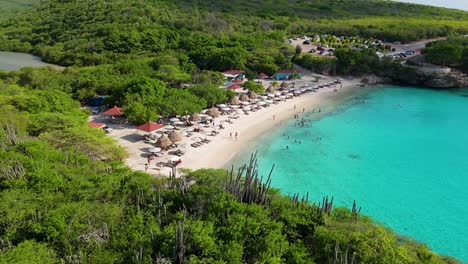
pixel 66 195
pixel 216 35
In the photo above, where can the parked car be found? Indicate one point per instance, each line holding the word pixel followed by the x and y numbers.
pixel 409 52
pixel 312 50
pixel 95 110
pixel 402 55
pixel 307 41
pixel 107 129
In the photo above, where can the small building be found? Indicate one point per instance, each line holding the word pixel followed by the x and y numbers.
pixel 96 125
pixel 231 75
pixel 286 75
pixel 114 111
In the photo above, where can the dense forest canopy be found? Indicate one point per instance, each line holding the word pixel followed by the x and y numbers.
pixel 210 32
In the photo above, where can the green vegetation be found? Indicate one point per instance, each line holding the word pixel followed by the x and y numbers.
pixel 67 197
pixel 452 52
pixel 254 87
pixel 216 35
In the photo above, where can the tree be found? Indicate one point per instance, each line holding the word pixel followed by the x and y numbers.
pixel 138 111
pixel 212 94
pixel 253 86
pixel 298 50
pixel 29 251
pixel 444 53
pixel 181 102
pixel 209 77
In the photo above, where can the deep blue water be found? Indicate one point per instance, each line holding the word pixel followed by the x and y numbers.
pixel 402 155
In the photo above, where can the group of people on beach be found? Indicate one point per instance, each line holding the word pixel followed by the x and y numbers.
pixel 235 135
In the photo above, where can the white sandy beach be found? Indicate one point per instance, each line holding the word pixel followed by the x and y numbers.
pixel 222 147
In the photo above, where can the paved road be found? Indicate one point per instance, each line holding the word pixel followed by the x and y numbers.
pixel 415 46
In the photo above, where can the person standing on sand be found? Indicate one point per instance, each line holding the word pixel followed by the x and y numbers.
pixel 230 135
pixel 303 110
pixel 273 117
pixel 294 107
pixel 236 136
pixel 146 167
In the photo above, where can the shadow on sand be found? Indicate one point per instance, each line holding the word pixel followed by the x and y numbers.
pixel 132 138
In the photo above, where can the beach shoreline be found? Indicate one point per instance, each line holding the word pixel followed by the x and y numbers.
pixel 223 148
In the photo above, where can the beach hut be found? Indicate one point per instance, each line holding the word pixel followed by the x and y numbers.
pixel 150 126
pixel 114 111
pixel 270 89
pixel 174 136
pixel 214 112
pixel 244 98
pixel 262 76
pixel 195 117
pixel 163 141
pixel 253 95
pixel 284 85
pixel 234 100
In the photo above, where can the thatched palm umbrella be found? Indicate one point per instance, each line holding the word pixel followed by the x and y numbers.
pixel 174 136
pixel 163 141
pixel 195 117
pixel 253 95
pixel 214 112
pixel 234 100
pixel 284 85
pixel 270 89
pixel 244 98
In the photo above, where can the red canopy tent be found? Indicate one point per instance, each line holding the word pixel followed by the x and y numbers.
pixel 234 87
pixel 262 76
pixel 114 111
pixel 96 124
pixel 149 127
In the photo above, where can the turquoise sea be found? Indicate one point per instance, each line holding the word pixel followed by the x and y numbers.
pixel 402 155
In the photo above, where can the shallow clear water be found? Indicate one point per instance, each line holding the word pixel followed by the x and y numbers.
pixel 402 155
pixel 15 61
